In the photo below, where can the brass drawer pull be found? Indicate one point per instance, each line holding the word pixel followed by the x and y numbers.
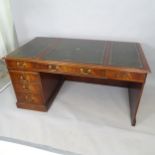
pixel 25 87
pixel 21 64
pixel 23 78
pixel 53 67
pixel 18 64
pixel 85 71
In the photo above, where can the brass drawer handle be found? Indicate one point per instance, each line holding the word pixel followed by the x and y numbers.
pixel 23 78
pixel 25 87
pixel 85 71
pixel 18 64
pixel 53 67
pixel 21 64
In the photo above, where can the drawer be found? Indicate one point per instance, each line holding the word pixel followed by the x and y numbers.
pixel 47 67
pixel 29 98
pixel 84 71
pixel 24 77
pixel 71 70
pixel 27 88
pixel 19 65
pixel 127 76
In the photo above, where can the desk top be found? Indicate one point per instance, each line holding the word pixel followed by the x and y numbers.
pixel 103 53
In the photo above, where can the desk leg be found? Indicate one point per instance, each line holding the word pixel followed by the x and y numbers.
pixel 135 93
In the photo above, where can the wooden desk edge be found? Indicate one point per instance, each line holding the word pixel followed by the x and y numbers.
pixel 134 70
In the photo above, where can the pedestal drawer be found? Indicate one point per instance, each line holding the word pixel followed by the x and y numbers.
pixel 30 98
pixel 24 77
pixel 27 88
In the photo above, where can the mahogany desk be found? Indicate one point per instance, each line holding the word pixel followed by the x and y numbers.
pixel 38 69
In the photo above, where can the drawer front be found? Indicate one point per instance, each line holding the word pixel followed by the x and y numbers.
pixel 29 98
pixel 19 65
pixel 27 88
pixel 127 76
pixel 47 67
pixel 84 71
pixel 72 70
pixel 24 77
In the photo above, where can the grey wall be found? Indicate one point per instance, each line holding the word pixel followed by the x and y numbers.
pixel 125 20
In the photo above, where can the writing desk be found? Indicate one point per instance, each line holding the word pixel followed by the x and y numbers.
pixel 39 68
